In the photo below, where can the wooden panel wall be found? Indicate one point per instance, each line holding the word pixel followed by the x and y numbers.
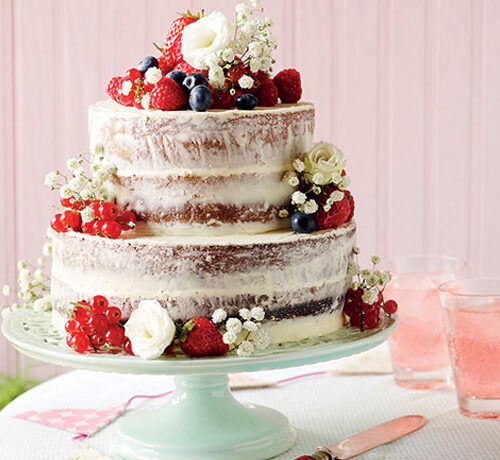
pixel 409 89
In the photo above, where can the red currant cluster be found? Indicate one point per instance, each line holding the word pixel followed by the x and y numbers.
pixel 107 221
pixel 95 327
pixel 364 315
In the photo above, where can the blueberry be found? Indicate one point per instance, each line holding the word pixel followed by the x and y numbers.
pixel 177 76
pixel 192 80
pixel 200 98
pixel 303 223
pixel 246 101
pixel 146 63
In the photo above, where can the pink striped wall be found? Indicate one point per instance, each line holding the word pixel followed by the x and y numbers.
pixel 408 88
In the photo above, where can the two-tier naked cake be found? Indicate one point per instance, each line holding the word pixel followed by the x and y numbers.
pixel 208 221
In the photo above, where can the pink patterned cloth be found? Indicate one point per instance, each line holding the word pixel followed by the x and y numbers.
pixel 83 422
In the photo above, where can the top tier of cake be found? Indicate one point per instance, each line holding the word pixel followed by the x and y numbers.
pixel 198 173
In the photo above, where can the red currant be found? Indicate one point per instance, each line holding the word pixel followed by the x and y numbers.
pixel 115 336
pixel 80 314
pixel 108 211
pixel 98 227
pixel 70 339
pixel 81 343
pixel 88 227
pixel 83 328
pixel 127 346
pixel 370 321
pixel 127 220
pixel 71 219
pixel 100 304
pixel 390 307
pixel 132 75
pixel 111 229
pixel 368 309
pixel 98 340
pixel 71 326
pixel 68 202
pixel 57 225
pixel 113 314
pixel 98 324
pixel 95 204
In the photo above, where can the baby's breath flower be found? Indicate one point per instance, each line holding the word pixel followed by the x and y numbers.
pixel 66 191
pixel 229 337
pixel 310 206
pixel 370 296
pixel 126 87
pixel 250 326
pixel 255 64
pixel 21 264
pixel 283 213
pixel 327 207
pixel 6 290
pixel 146 101
pixel 88 214
pixel 337 195
pixel 245 314
pixel 298 165
pixel 356 250
pixel 219 315
pixel 261 339
pixel 298 197
pixel 318 178
pixel 234 324
pixel 153 75
pixel 385 277
pixel 352 268
pixel 47 249
pixel 375 260
pixel 38 275
pixel 258 313
pixel 245 82
pixel 245 348
pixel 228 55
pixel 316 190
pixel 41 261
pixel 52 179
pixel 365 273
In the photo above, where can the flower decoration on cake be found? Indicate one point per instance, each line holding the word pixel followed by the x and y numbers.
pixel 321 200
pixel 365 302
pixel 210 62
pixel 86 201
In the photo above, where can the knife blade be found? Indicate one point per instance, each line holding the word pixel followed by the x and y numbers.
pixel 369 439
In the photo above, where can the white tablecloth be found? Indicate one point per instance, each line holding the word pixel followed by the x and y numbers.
pixel 323 409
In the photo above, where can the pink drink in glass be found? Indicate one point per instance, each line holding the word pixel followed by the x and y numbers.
pixel 473 326
pixel 418 345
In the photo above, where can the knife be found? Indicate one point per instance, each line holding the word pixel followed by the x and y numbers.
pixel 366 440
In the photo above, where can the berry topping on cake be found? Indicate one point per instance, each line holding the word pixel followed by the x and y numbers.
pixel 172 46
pixel 222 100
pixel 289 85
pixel 200 98
pixel 186 68
pixel 302 222
pixel 177 76
pixel 114 87
pixel 194 79
pixel 167 95
pixel 147 63
pixel 267 94
pixel 337 215
pixel 246 102
pixel 201 338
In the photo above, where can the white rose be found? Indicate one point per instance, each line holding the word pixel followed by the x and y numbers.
pixel 323 161
pixel 204 37
pixel 150 329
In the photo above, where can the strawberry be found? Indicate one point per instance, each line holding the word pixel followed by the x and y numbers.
pixel 168 95
pixel 267 93
pixel 335 217
pixel 222 100
pixel 172 45
pixel 114 86
pixel 350 198
pixel 186 68
pixel 200 337
pixel 289 87
pixel 165 65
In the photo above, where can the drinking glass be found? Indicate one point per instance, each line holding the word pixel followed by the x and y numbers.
pixel 472 316
pixel 418 346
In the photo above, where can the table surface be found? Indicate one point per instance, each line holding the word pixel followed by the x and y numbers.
pixel 324 409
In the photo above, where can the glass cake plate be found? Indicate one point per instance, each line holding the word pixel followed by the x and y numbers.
pixel 201 420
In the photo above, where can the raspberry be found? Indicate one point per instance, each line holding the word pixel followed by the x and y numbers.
pixel 289 86
pixel 114 86
pixel 350 198
pixel 335 217
pixel 236 72
pixel 165 65
pixel 267 93
pixel 261 77
pixel 168 95
pixel 221 100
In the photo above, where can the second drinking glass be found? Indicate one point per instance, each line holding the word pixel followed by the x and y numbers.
pixel 418 345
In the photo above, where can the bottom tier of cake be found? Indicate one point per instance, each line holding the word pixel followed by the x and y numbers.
pixel 300 280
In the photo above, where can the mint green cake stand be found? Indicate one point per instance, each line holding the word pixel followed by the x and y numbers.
pixel 201 420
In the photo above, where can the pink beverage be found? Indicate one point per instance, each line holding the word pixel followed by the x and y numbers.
pixel 473 327
pixel 418 345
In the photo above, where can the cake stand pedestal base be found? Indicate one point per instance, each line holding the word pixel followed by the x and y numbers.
pixel 203 421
